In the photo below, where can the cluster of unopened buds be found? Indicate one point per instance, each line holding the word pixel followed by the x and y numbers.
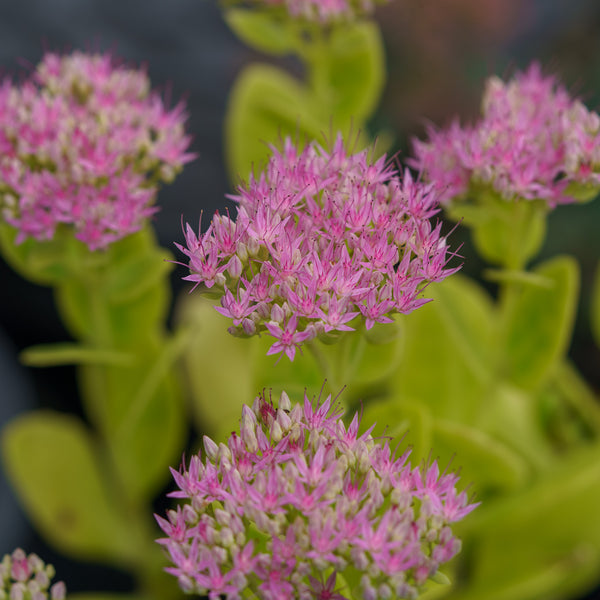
pixel 533 142
pixel 27 577
pixel 321 11
pixel 300 506
pixel 322 240
pixel 84 142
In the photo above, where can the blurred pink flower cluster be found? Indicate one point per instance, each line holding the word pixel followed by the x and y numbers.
pixel 321 11
pixel 533 141
pixel 296 495
pixel 24 577
pixel 321 239
pixel 84 142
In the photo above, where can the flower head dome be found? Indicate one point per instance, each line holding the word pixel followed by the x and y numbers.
pixel 533 141
pixel 298 494
pixel 322 240
pixel 84 142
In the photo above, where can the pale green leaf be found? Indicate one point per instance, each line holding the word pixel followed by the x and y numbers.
pixel 578 394
pixel 513 416
pixel 366 357
pixel 447 345
pixel 411 422
pixel 468 315
pixel 582 192
pixel 42 262
pixel 540 324
pixel 51 460
pixel 349 72
pixel 134 278
pixel 261 31
pixel 520 277
pixel 485 462
pixel 266 105
pixel 541 542
pixel 505 232
pixel 218 368
pixel 149 433
pixel 276 373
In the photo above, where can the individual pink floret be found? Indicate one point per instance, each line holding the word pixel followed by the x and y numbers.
pixel 533 141
pixel 332 502
pixel 85 143
pixel 323 242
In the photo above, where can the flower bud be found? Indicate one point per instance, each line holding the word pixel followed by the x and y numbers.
pixel 242 252
pixel 284 401
pixel 210 448
pixel 235 267
pixel 277 314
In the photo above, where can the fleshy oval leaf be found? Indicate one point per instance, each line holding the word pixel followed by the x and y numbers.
pixel 51 461
pixel 540 324
pixel 260 31
pixel 266 105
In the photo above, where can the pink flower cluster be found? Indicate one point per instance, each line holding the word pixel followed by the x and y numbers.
pixel 533 142
pixel 321 11
pixel 321 239
pixel 84 142
pixel 298 494
pixel 25 577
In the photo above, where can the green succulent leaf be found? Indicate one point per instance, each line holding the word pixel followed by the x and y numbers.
pixel 505 232
pixel 348 72
pixel 276 373
pixel 467 314
pixel 266 105
pixel 364 357
pixel 218 367
pixel 402 419
pixel 137 276
pixel 485 461
pixel 121 297
pixel 513 416
pixel 582 192
pixel 44 263
pixel 579 397
pixel 261 31
pixel 90 315
pixel 51 460
pixel 541 542
pixel 540 324
pixel 452 334
pixel 73 301
pixel 151 410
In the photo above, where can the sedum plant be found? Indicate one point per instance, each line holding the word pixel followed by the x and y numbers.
pixel 331 250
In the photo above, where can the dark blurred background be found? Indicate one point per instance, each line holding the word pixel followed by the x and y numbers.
pixel 439 53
